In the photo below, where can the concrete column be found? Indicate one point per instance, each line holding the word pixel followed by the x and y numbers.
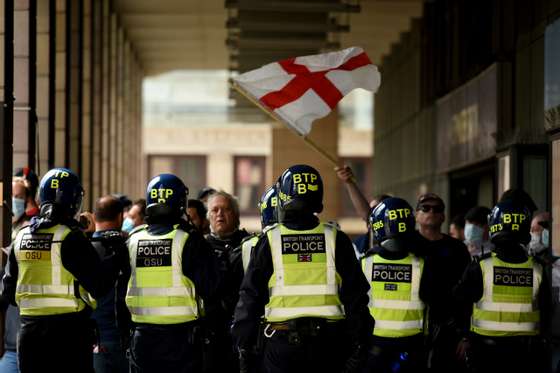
pixel 105 45
pixel 128 151
pixel 140 160
pixel 43 81
pixel 97 93
pixel 60 86
pixel 73 86
pixel 113 176
pixel 120 125
pixel 288 149
pixel 21 82
pixel 87 128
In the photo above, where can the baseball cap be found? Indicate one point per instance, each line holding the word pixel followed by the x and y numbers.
pixel 423 198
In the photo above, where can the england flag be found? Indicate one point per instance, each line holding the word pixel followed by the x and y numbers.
pixel 302 89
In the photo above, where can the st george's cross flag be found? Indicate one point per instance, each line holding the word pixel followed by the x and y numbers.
pixel 302 89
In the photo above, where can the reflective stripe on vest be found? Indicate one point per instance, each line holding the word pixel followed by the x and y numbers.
pixel 394 300
pixel 246 250
pixel 44 286
pixel 509 305
pixel 158 292
pixel 304 282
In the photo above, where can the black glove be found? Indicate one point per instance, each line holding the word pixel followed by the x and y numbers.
pixel 356 360
pixel 246 360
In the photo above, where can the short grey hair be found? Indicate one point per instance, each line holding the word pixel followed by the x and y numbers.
pixel 232 202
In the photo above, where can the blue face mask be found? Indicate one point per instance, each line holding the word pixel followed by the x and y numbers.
pixel 473 233
pixel 127 225
pixel 18 207
pixel 545 237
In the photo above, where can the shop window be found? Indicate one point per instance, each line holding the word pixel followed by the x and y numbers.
pixel 191 169
pixel 249 182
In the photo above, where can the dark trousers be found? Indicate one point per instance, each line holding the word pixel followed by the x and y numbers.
pixel 221 356
pixel 165 348
pixel 110 357
pixel 60 343
pixel 396 355
pixel 442 352
pixel 285 352
pixel 506 354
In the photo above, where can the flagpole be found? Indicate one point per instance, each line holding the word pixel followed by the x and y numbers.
pixel 276 117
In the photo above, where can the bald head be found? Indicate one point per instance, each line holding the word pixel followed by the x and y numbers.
pixel 108 209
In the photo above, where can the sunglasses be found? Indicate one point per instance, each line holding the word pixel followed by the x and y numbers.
pixel 437 209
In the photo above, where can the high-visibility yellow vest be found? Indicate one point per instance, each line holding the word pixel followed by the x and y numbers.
pixel 158 291
pixel 509 304
pixel 394 302
pixel 304 282
pixel 247 246
pixel 44 286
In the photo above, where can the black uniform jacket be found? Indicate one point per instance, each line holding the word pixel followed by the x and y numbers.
pixel 197 261
pixel 254 293
pixel 471 287
pixel 78 257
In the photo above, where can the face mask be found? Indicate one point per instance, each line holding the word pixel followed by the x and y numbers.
pixel 18 207
pixel 545 237
pixel 536 245
pixel 127 225
pixel 473 233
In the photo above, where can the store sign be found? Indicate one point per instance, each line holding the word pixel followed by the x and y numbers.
pixel 467 122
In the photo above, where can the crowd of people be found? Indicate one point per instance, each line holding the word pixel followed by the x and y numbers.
pixel 172 284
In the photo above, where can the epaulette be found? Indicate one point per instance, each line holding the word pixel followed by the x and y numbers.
pixel 138 229
pixel 269 227
pixel 484 256
pixel 332 224
pixel 249 237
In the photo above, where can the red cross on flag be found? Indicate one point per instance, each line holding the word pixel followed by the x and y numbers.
pixel 302 89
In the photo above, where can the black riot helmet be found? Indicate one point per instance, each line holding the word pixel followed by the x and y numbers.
pixel 166 196
pixel 300 189
pixel 510 221
pixel 392 223
pixel 62 188
pixel 267 207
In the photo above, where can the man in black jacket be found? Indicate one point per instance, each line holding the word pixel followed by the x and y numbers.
pixel 224 237
pixel 446 259
pixel 111 315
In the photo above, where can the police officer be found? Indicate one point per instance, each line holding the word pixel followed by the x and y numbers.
pixel 510 296
pixel 52 270
pixel 395 276
pixel 172 268
pixel 304 279
pixel 267 206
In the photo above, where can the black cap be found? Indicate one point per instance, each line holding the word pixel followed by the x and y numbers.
pixel 423 198
pixel 204 192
